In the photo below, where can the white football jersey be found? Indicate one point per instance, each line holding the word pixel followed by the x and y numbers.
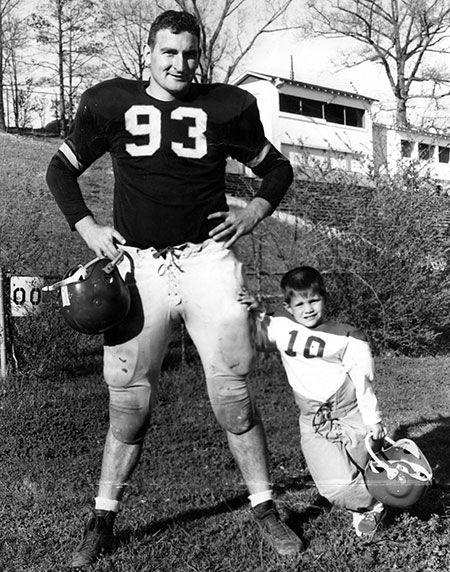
pixel 318 360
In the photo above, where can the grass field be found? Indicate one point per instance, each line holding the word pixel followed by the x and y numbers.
pixel 186 508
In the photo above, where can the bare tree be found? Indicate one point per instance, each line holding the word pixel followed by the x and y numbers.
pixel 7 9
pixel 230 29
pixel 403 36
pixel 127 23
pixel 69 28
pixel 19 90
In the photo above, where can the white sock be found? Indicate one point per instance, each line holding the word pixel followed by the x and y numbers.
pixel 102 503
pixel 258 498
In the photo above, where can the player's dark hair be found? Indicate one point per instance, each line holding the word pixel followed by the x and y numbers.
pixel 176 22
pixel 301 280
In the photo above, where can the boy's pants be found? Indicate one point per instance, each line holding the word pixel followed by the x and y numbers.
pixel 332 440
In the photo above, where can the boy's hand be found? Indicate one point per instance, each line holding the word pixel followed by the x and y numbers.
pixel 246 299
pixel 377 431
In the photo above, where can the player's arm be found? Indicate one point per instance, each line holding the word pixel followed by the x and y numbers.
pixel 70 161
pixel 277 176
pixel 253 150
pixel 63 183
pixel 359 363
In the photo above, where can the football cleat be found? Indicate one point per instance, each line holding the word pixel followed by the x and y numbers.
pixel 398 474
pixel 93 298
pixel 282 539
pixel 98 539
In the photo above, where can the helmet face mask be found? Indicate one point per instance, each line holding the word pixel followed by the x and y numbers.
pixel 398 474
pixel 94 298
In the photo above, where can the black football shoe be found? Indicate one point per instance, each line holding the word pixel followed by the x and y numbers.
pixel 282 539
pixel 98 539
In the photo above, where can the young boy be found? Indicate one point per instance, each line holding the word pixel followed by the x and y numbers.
pixel 329 366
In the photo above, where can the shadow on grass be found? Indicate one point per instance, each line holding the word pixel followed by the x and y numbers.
pixel 191 515
pixel 435 445
pixel 296 520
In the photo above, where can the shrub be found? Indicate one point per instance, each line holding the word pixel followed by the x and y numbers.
pixel 387 264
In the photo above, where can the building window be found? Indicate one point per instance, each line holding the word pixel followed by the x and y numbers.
pixel 426 151
pixel 335 113
pixel 331 112
pixel 444 154
pixel 407 148
pixel 311 107
pixel 354 117
pixel 289 103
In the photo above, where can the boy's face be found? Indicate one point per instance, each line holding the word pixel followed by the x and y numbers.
pixel 308 308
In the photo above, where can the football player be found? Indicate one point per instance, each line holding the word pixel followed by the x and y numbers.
pixel 329 366
pixel 169 139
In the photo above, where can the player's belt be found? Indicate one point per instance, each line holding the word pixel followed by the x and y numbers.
pixel 170 250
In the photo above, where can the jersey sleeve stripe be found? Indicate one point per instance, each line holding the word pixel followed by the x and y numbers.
pixel 260 156
pixel 67 152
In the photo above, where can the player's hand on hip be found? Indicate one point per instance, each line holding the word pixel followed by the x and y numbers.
pixel 101 239
pixel 240 221
pixel 236 223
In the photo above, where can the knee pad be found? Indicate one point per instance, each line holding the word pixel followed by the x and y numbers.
pixel 232 404
pixel 129 412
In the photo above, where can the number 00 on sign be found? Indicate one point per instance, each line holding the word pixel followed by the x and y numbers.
pixel 26 295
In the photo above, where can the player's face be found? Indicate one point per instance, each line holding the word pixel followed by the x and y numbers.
pixel 308 308
pixel 173 61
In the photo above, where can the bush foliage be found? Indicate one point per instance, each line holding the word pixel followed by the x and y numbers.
pixel 386 264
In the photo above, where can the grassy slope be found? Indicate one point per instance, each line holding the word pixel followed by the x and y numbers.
pixel 186 507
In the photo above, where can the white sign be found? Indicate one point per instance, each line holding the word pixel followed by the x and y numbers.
pixel 26 295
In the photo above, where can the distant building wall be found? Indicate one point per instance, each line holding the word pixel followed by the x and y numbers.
pixel 395 147
pixel 312 124
pixel 317 126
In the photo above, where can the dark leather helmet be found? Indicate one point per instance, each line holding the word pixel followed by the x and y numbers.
pixel 94 298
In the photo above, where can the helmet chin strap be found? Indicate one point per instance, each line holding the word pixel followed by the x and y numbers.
pixel 81 272
pixel 110 266
pixel 390 472
pixel 420 472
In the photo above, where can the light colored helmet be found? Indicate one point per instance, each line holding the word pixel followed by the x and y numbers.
pixel 398 474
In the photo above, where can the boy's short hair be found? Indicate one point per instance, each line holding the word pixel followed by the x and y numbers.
pixel 301 280
pixel 176 22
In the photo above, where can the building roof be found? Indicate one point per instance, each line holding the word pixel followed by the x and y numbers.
pixel 417 131
pixel 278 82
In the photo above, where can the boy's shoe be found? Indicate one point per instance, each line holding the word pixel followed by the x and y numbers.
pixel 366 523
pixel 98 539
pixel 282 539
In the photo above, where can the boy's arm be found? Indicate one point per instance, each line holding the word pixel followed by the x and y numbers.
pixel 359 363
pixel 260 322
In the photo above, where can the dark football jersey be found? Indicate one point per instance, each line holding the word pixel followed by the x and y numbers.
pixel 168 157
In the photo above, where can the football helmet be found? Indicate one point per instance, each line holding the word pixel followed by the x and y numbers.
pixel 94 297
pixel 398 474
